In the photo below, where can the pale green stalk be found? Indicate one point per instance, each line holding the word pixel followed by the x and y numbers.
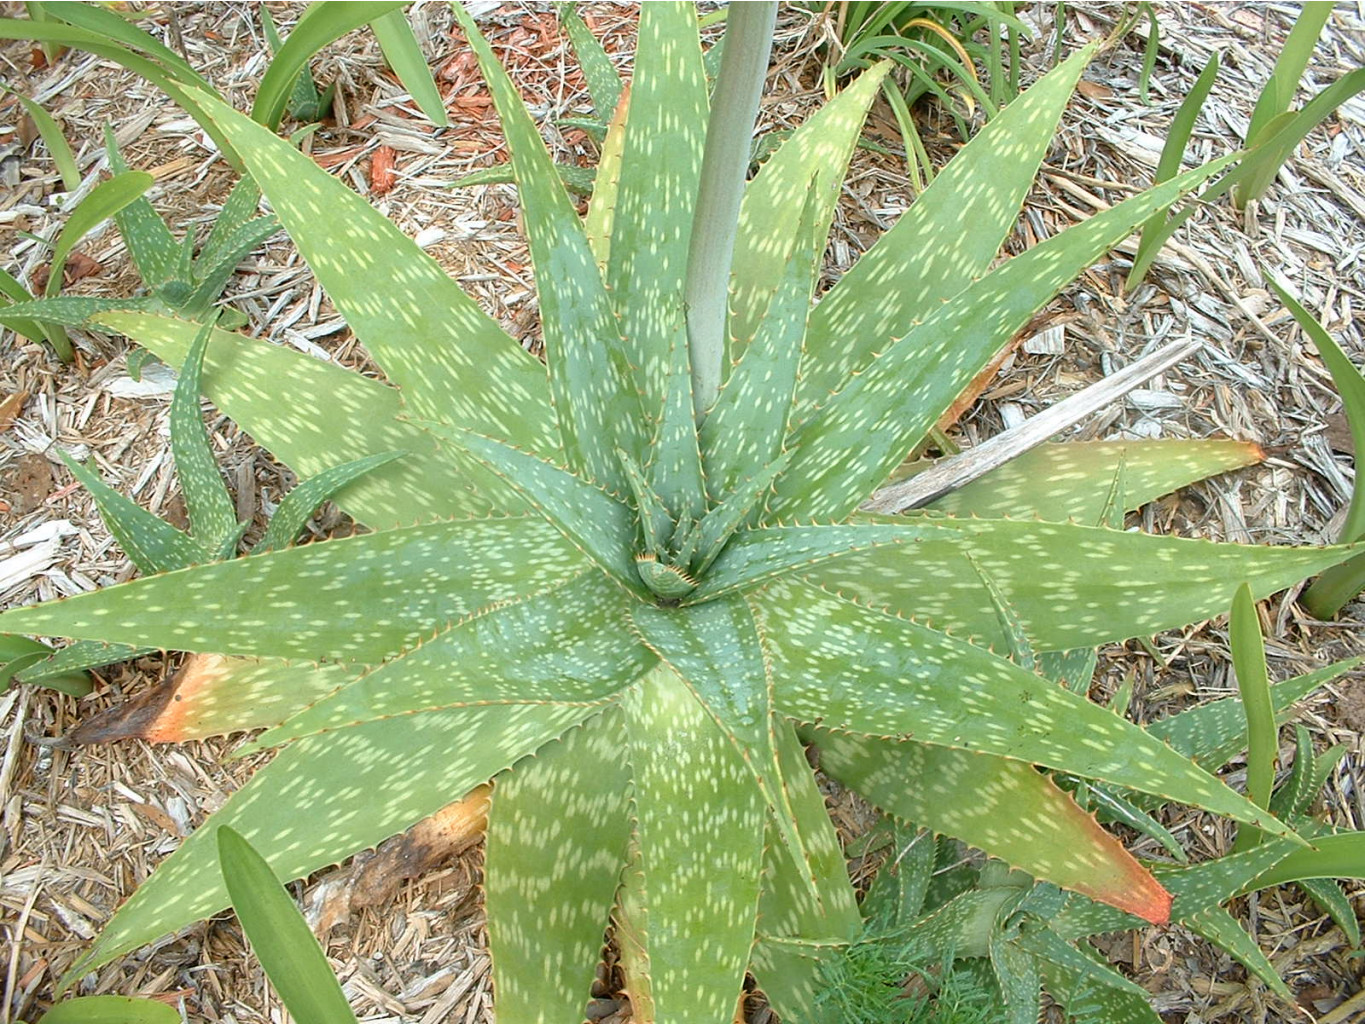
pixel 734 109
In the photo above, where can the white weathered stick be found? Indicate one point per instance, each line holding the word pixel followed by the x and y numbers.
pixel 950 474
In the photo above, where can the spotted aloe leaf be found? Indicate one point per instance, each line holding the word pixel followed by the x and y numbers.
pixel 319 773
pixel 1224 931
pixel 1068 481
pixel 545 948
pixel 1050 837
pixel 984 703
pixel 699 825
pixel 853 440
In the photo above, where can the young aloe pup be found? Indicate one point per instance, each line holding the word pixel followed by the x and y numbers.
pixel 617 582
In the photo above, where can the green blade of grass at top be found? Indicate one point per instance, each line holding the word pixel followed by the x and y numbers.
pixel 1248 662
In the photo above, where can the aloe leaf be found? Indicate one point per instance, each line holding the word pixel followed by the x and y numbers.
pixel 700 832
pixel 360 598
pixel 716 650
pixel 1003 807
pixel 1067 481
pixel 601 216
pixel 109 25
pixel 1279 90
pixel 1329 898
pixel 211 276
pixel 321 24
pixel 904 277
pixel 1177 138
pixel 596 399
pixel 298 505
pixel 212 513
pixel 720 189
pixel 655 521
pixel 105 199
pixel 150 243
pixel 656 191
pixel 1333 856
pixel 1121 809
pixel 595 522
pixel 326 797
pixel 404 55
pixel 676 472
pixel 883 411
pixel 546 917
pixel 1046 945
pixel 914 683
pixel 897 895
pixel 718 525
pixel 111 1010
pixel 17 653
pixel 154 545
pixel 238 210
pixel 1089 1002
pixel 755 556
pixel 604 81
pixel 76 658
pixel 806 170
pixel 51 133
pixel 1297 792
pixel 26 661
pixel 452 362
pixel 1223 930
pixel 11 292
pixel 746 425
pixel 1016 972
pixel 245 377
pixel 568 644
pixel 1253 683
pixel 1327 595
pixel 279 935
pixel 211 695
pixel 1071 585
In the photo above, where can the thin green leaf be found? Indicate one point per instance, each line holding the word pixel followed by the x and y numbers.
pixel 676 473
pixel 1330 899
pixel 1336 856
pixel 321 24
pixel 913 683
pixel 656 191
pixel 360 598
pixel 326 797
pixel 601 216
pixel 404 55
pixel 656 523
pixel 279 935
pixel 154 545
pixel 1253 683
pixel 700 832
pixel 718 525
pixel 153 248
pixel 1279 90
pixel 298 505
pixel 105 199
pixel 108 24
pixel 1224 931
pixel 212 512
pixel 111 1010
pixel 452 362
pixel 1016 972
pixel 210 277
pixel 51 133
pixel 546 916
pixel 11 291
pixel 1090 1002
pixel 238 210
pixel 1003 807
pixel 591 378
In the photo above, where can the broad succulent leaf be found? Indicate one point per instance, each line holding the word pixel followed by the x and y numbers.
pixel 1088 1001
pixel 569 644
pixel 597 403
pixel 466 369
pixel 547 916
pixel 656 189
pixel 699 825
pixel 851 442
pixel 1068 481
pixel 906 689
pixel 1070 585
pixel 245 377
pixel 603 80
pixel 904 277
pixel 358 599
pixel 968 795
pixel 807 168
pixel 325 797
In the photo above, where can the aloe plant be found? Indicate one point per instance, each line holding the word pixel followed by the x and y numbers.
pixel 618 581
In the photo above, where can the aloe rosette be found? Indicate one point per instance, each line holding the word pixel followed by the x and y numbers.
pixel 620 598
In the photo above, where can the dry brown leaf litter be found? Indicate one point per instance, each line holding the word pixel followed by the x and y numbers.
pixel 79 829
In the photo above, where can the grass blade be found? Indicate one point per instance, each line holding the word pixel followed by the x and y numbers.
pixel 280 937
pixel 1253 683
pixel 404 55
pixel 57 146
pixel 111 1010
pixel 1278 92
